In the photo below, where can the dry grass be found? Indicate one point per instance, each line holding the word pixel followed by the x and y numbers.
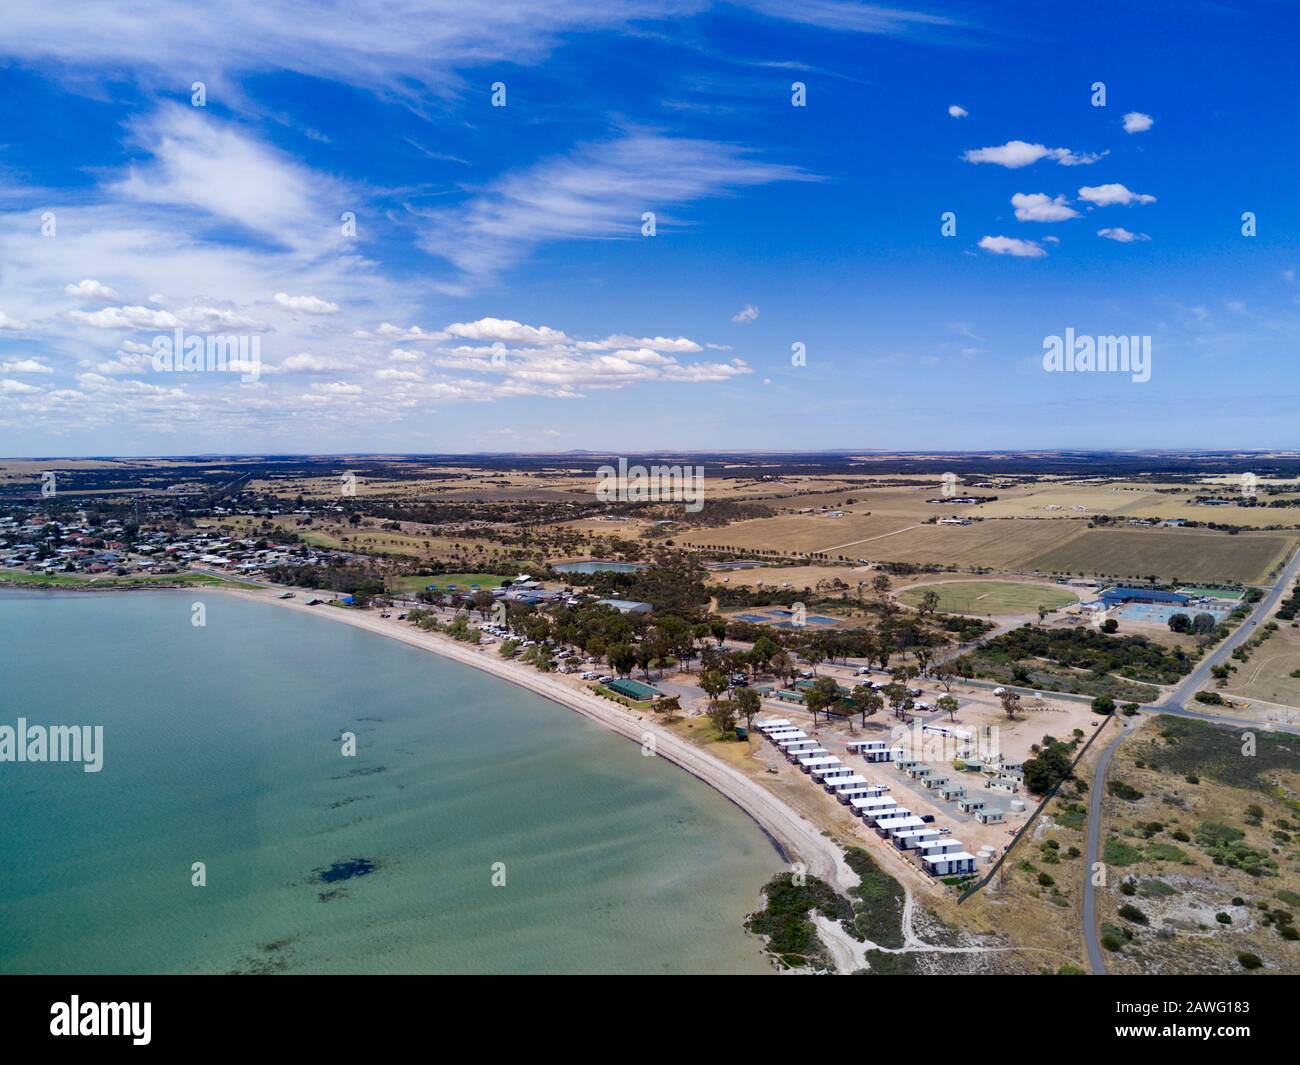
pixel 1185 554
pixel 1183 935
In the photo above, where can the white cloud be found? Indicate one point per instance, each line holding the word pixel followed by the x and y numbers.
pixel 1023 249
pixel 388 331
pixel 11 323
pixel 11 387
pixel 1039 207
pixel 306 304
pixel 1137 122
pixel 1106 195
pixel 305 362
pixel 504 329
pixel 957 112
pixel 1119 233
pixel 126 318
pixel 747 314
pixel 682 345
pixel 1015 154
pixel 24 366
pixel 90 289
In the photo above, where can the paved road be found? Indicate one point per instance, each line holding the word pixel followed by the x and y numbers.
pixel 1201 674
pixel 1092 938
pixel 1172 705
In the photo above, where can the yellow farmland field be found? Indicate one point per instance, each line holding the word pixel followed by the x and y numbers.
pixel 799 532
pixel 1188 555
pixel 998 544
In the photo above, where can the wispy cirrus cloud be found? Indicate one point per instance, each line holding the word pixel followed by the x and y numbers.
pixel 199 164
pixel 402 49
pixel 598 191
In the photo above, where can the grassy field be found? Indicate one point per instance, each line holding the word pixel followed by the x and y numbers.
pixel 463 581
pixel 1001 544
pixel 990 597
pixel 800 532
pixel 1165 553
pixel 63 580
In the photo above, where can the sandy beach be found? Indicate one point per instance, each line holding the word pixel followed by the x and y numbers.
pixel 798 838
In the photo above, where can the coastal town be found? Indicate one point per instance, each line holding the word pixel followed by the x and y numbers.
pixel 923 729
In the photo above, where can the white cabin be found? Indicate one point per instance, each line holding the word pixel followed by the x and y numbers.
pixel 941 845
pixel 913 837
pixel 950 864
pixel 886 825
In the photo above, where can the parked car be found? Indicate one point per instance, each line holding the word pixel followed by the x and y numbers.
pixel 944 831
pixel 928 818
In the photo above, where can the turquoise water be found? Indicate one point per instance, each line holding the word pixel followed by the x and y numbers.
pixel 222 745
pixel 598 567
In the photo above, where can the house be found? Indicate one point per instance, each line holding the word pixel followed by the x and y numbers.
pixel 970 804
pixel 990 817
pixel 887 825
pixel 824 773
pixel 911 838
pixel 951 864
pixel 886 754
pixel 872 806
pixel 949 792
pixel 942 845
pixel 859 791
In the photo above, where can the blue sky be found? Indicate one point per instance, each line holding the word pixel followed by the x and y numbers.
pixel 498 293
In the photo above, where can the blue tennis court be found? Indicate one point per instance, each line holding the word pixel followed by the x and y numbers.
pixel 1162 612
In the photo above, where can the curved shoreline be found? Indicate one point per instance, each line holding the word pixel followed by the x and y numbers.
pixel 796 838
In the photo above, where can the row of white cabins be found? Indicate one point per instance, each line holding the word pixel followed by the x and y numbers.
pixel 939 854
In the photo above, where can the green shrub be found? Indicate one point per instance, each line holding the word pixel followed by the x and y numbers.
pixel 1122 790
pixel 1131 913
